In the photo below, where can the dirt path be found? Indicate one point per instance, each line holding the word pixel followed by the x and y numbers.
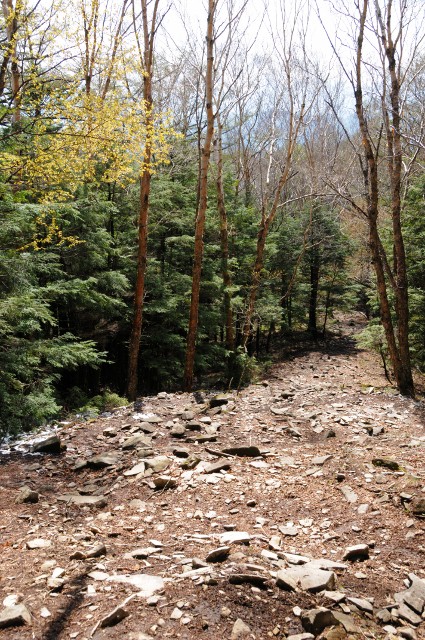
pixel 240 550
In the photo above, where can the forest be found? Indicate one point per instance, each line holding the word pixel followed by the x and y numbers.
pixel 186 187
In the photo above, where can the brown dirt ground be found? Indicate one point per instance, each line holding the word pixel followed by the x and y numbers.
pixel 334 386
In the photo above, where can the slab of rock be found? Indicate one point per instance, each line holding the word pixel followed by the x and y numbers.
pixel 179 452
pixel 26 496
pixel 248 578
pixel 235 537
pixel 114 617
pixel 135 441
pixel 218 555
pixel 38 543
pixel 406 613
pixel 244 451
pixel 53 444
pixel 315 620
pixel 83 501
pixel 240 630
pixel 289 531
pixel 362 604
pixel 218 401
pixel 136 470
pixel 142 553
pixel 164 482
pixel 347 622
pixel 356 552
pixel 102 460
pixel 306 578
pixel 147 585
pixel 179 431
pixel 158 463
pixel 14 616
pixel 350 495
pixel 220 465
pixel 321 460
pixel 191 462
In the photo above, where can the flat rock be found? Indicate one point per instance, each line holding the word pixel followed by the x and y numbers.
pixel 135 441
pixel 350 495
pixel 53 444
pixel 243 451
pixel 103 460
pixel 356 552
pixel 158 463
pixel 190 462
pixel 361 603
pixel 147 585
pixel 26 496
pixel 38 543
pixel 114 617
pixel 218 401
pixel 315 620
pixel 306 578
pixel 218 555
pixel 248 578
pixel 220 465
pixel 164 482
pixel 179 452
pixel 321 460
pixel 179 431
pixel 14 616
pixel 289 531
pixel 347 622
pixel 136 470
pixel 83 501
pixel 235 537
pixel 406 613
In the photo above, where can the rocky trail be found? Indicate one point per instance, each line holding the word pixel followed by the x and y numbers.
pixel 290 510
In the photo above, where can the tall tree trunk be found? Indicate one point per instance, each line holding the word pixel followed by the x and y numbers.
pixel 202 204
pixel 314 291
pixel 11 18
pixel 398 349
pixel 224 241
pixel 145 185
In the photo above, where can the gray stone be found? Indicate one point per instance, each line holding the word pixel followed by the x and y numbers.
pixel 356 552
pixel 407 632
pixel 406 613
pixel 14 616
pixel 193 425
pixel 191 462
pixel 52 444
pixel 289 531
pixel 187 415
pixel 26 496
pixel 350 495
pixel 136 470
pixel 243 452
pixel 135 441
pixel 218 555
pixel 83 501
pixel 114 617
pixel 220 465
pixel 103 460
pixel 307 578
pixel 362 604
pixel 218 401
pixel 180 453
pixel 248 578
pixel 38 543
pixel 383 616
pixel 240 630
pixel 179 431
pixel 164 482
pixel 347 622
pixel 301 636
pixel 142 553
pixel 157 464
pixel 315 620
pixel 147 428
pixel 321 460
pixel 147 585
pixel 235 537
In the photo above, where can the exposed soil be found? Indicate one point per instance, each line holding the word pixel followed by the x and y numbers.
pixel 323 400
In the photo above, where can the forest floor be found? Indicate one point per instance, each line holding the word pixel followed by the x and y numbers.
pixel 325 456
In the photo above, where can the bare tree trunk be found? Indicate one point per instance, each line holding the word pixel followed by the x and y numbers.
pixel 399 352
pixel 145 184
pixel 224 242
pixel 202 205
